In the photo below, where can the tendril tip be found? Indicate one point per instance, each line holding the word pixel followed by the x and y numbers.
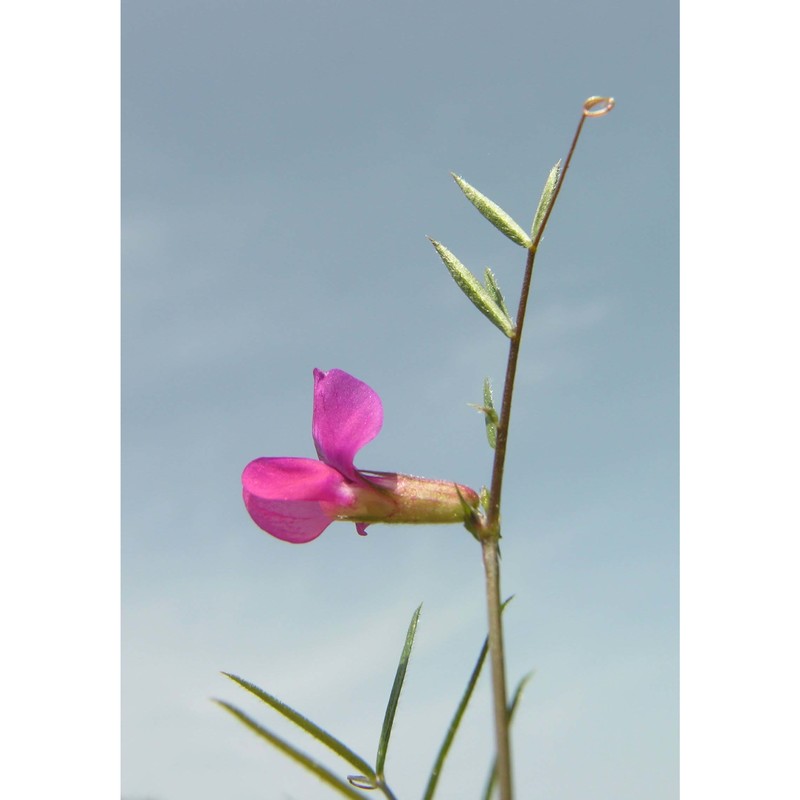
pixel 590 107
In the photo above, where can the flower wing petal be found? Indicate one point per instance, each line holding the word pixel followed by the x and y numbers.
pixel 294 499
pixel 347 415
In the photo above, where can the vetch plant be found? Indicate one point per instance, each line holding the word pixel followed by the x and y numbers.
pixel 295 499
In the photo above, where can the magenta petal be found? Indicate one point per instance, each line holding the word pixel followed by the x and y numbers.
pixel 347 415
pixel 294 499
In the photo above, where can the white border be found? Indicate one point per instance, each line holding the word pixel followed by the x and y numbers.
pixel 739 403
pixel 59 318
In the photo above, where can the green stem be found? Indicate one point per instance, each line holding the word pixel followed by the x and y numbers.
pixel 498 469
pixel 387 792
pixel 490 530
pixel 491 564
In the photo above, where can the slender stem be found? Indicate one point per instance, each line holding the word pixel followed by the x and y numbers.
pixel 493 513
pixel 387 792
pixel 491 565
pixel 490 531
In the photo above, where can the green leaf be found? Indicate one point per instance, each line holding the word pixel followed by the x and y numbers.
pixel 502 221
pixel 472 516
pixel 490 415
pixel 512 707
pixel 456 721
pixel 301 758
pixel 342 750
pixel 494 291
pixel 394 696
pixel 473 289
pixel 546 200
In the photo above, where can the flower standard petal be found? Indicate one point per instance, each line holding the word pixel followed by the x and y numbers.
pixel 294 499
pixel 347 415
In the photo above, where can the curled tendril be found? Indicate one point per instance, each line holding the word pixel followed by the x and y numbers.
pixel 590 110
pixel 362 782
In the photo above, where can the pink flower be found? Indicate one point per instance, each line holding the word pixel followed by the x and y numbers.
pixel 295 499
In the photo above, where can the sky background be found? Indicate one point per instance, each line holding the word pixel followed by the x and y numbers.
pixel 282 165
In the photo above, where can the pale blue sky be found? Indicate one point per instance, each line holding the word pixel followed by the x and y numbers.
pixel 282 164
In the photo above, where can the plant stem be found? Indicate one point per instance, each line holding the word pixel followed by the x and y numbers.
pixel 491 552
pixel 490 530
pixel 387 792
pixel 493 514
pixel 491 565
